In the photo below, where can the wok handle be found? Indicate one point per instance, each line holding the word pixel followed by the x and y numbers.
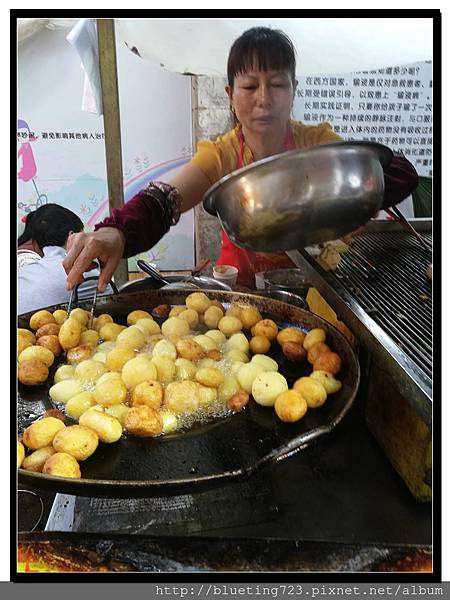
pixel 209 205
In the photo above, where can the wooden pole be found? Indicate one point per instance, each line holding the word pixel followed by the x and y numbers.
pixel 111 120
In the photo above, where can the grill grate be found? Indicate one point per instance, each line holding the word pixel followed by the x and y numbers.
pixel 385 272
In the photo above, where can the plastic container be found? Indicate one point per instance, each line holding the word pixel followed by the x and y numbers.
pixel 226 274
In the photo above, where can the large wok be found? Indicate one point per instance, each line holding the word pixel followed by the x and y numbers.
pixel 209 455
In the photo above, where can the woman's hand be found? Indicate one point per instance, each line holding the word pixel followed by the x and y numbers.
pixel 107 245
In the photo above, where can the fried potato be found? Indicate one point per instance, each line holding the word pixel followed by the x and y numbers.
pixel 217 336
pixel 212 316
pixel 62 465
pixel 247 375
pixel 312 391
pixel 198 301
pixel 20 454
pixel 48 329
pixel 234 311
pixel 206 363
pixel 291 334
pixel 170 421
pixel 176 311
pixel 22 343
pixel 290 406
pixel 191 316
pixel 182 397
pixel 116 359
pixel 148 327
pixel 110 392
pixel 90 336
pixel 216 355
pixel 249 317
pixel 40 318
pixel 175 326
pixel 134 316
pixel 79 353
pixel 148 393
pixel 143 421
pixel 237 341
pixel 190 350
pixel 78 441
pixel 316 350
pixel 238 401
pixel 60 316
pixel 64 390
pixel 228 388
pixel 101 320
pixel 266 362
pixel 109 375
pixel 329 382
pixel 107 427
pixel 26 335
pixel 185 369
pixel 137 370
pixel 110 331
pixel 210 376
pixel 39 353
pixel 267 386
pixel 314 336
pixel 131 337
pixel 206 342
pixel 119 411
pixel 80 315
pixel 165 369
pixel 161 311
pixel 79 404
pixel 293 351
pixel 165 348
pixel 32 372
pixel 36 460
pixel 64 372
pixel 50 342
pixel 70 333
pixel 229 325
pixel 41 432
pixel 89 370
pixel 259 344
pixel 328 361
pixel 207 395
pixel 267 328
pixel 237 356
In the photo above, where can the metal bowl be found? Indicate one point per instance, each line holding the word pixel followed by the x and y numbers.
pixel 301 197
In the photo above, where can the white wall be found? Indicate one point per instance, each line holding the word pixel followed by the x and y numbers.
pixel 156 136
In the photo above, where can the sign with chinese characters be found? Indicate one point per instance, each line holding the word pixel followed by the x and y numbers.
pixel 392 106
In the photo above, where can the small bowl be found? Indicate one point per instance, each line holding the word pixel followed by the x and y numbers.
pixel 226 274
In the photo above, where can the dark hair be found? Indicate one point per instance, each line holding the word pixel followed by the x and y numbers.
pixel 50 225
pixel 261 48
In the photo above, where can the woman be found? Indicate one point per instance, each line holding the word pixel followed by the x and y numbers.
pixel 42 281
pixel 261 88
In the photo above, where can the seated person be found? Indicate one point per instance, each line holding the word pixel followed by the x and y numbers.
pixel 41 250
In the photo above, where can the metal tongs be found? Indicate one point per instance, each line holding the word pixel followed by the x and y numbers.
pixel 189 279
pixel 73 300
pixel 395 213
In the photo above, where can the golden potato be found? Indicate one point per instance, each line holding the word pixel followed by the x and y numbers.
pixel 210 376
pixel 176 311
pixel 238 401
pixel 266 362
pixel 291 334
pixel 314 336
pixel 48 329
pixel 110 392
pixel 38 352
pixel 229 325
pixel 212 316
pixel 247 375
pixel 41 432
pixel 100 321
pixel 207 395
pixel 119 411
pixel 26 335
pixel 60 316
pixel 182 397
pixel 62 465
pixel 100 357
pixel 165 348
pixel 312 391
pixel 161 311
pixel 70 333
pixel 206 363
pixel 143 421
pixel 110 331
pixel 198 301
pixel 217 336
pixel 80 315
pixel 165 369
pixel 216 355
pixel 237 341
pixel 148 326
pixel 175 326
pixel 191 316
pixel 316 350
pixel 41 317
pixel 328 361
pixel 148 393
pixel 234 311
pixel 89 370
pixel 206 342
pixel 90 336
pixel 22 343
pixel 32 372
pixel 328 381
pixel 64 372
pixel 79 353
pixel 131 337
pixel 107 427
pixel 190 350
pixel 76 440
pixel 228 388
pixel 170 421
pixel 237 356
pixel 290 406
pixel 134 316
pixel 36 460
pixel 106 347
pixel 20 454
pixel 109 375
pixel 259 344
pixel 267 386
pixel 137 370
pixel 117 358
pixel 50 342
pixel 64 390
pixel 267 328
pixel 218 304
pixel 235 366
pixel 293 351
pixel 79 404
pixel 249 317
pixel 185 369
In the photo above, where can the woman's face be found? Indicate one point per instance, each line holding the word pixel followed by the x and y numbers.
pixel 262 100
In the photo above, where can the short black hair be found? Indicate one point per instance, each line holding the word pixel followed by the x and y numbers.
pixel 50 225
pixel 261 48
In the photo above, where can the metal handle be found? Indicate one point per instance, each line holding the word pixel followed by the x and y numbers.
pixel 151 271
